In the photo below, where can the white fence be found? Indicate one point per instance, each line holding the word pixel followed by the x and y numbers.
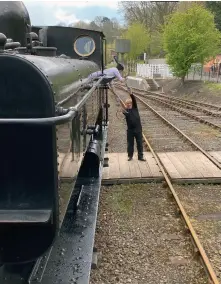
pixel 154 70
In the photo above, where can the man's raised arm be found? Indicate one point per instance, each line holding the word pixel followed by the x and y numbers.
pixel 134 102
pixel 119 77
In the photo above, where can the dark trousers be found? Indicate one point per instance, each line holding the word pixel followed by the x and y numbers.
pixel 131 135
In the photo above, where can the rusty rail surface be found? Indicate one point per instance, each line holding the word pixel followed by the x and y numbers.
pixel 206 263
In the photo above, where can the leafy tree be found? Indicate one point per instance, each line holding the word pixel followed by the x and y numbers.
pixel 215 7
pixel 185 5
pixel 93 26
pixel 156 44
pixel 81 25
pixel 139 38
pixel 149 13
pixel 110 27
pixel 152 15
pixel 190 37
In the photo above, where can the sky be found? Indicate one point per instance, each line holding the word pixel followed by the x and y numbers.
pixel 46 13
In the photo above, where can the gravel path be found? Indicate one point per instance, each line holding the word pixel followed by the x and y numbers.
pixel 139 244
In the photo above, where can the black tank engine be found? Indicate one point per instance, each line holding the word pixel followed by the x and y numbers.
pixel 45 112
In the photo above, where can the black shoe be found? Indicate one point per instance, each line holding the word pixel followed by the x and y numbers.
pixel 142 159
pixel 130 158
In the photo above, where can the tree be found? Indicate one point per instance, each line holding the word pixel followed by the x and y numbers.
pixel 94 27
pixel 156 44
pixel 215 7
pixel 190 37
pixel 139 38
pixel 81 25
pixel 98 20
pixel 185 5
pixel 152 16
pixel 110 27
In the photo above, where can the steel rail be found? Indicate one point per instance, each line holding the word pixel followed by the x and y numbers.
pixel 179 110
pixel 188 101
pixel 209 269
pixel 182 100
pixel 175 108
pixel 183 134
pixel 196 240
pixel 183 111
pixel 187 105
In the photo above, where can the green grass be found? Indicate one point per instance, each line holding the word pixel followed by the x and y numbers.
pixel 120 200
pixel 213 86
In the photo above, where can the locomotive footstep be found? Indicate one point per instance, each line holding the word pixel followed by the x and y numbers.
pixel 25 216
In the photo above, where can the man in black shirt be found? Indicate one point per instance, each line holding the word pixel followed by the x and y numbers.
pixel 134 128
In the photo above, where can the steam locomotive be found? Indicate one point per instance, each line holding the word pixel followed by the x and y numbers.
pixel 45 111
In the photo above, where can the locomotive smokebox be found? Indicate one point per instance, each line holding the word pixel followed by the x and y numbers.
pixel 14 20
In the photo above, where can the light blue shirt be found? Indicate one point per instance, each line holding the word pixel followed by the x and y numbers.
pixel 113 72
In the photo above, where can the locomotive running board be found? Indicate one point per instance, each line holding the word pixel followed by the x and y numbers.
pixel 71 256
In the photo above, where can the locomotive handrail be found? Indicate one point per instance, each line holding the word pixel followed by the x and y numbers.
pixel 85 98
pixel 57 120
pixel 44 121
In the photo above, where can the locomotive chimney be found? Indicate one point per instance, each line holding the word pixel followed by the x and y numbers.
pixel 14 20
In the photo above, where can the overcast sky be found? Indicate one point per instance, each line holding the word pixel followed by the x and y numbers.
pixel 54 12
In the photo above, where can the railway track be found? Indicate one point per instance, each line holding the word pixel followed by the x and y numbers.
pixel 184 141
pixel 211 119
pixel 203 112
pixel 199 250
pixel 162 135
pixel 206 108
